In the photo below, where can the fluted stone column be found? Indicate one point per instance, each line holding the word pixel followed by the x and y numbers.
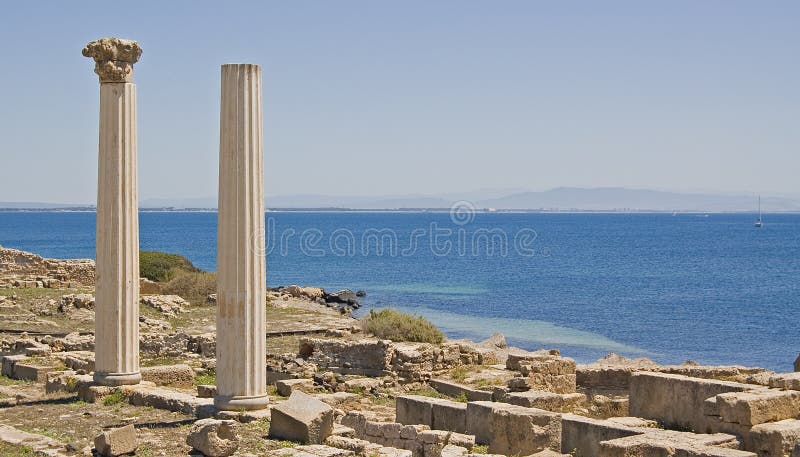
pixel 241 266
pixel 117 283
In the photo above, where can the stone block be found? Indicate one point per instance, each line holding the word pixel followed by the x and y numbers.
pixel 581 436
pixel 29 372
pixel 302 418
pixel 676 401
pixel 214 438
pixel 60 381
pixel 759 406
pixel 558 383
pixel 775 438
pixel 658 446
pixel 607 377
pixel 478 413
pixel 449 415
pixel 414 410
pixel 548 401
pixel 455 390
pixel 8 364
pixel 116 442
pixel 789 381
pixel 169 400
pixel 180 375
pixel 516 430
pixel 206 391
pixel 285 387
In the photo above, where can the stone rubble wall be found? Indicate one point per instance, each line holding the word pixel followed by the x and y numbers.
pixel 411 362
pixel 419 439
pixel 26 270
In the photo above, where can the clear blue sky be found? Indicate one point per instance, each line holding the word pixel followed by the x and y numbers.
pixel 416 97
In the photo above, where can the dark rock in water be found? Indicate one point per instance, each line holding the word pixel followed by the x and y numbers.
pixel 346 296
pixel 361 293
pixel 797 363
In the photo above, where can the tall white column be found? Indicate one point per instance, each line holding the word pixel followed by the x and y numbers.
pixel 117 283
pixel 241 266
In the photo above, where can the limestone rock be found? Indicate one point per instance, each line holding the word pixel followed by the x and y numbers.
pixel 302 418
pixel 170 305
pixel 214 438
pixel 169 375
pixel 206 391
pixel 116 442
pixel 498 340
pixel 71 302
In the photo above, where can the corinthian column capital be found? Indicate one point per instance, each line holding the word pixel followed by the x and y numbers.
pixel 114 59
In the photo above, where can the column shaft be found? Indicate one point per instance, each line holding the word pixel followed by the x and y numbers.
pixel 241 266
pixel 117 289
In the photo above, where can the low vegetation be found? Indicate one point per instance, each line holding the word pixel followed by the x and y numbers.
pixel 194 287
pixel 393 325
pixel 205 379
pixel 114 399
pixel 162 267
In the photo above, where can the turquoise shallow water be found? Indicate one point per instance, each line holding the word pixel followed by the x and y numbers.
pixel 712 288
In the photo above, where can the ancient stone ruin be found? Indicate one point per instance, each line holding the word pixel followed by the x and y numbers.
pixel 312 383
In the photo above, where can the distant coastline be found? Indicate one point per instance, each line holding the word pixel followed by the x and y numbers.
pixel 558 200
pixel 398 210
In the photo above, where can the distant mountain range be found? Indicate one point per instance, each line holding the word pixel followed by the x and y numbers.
pixel 559 199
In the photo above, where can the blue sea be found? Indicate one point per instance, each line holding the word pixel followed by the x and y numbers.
pixel 710 288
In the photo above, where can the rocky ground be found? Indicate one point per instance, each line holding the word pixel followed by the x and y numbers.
pixel 339 392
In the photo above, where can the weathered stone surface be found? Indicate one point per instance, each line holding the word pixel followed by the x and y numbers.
pixel 455 390
pixel 581 436
pixel 206 391
pixel 170 400
pixel 71 302
pixel 449 415
pixel 315 450
pixel 478 413
pixel 414 409
pixel 676 401
pixel 41 445
pixel 114 58
pixel 116 442
pixel 789 381
pixel 169 305
pixel 548 401
pixel 775 438
pixel 77 271
pixel 366 356
pixel 169 375
pixel 758 406
pixel 214 438
pixel 517 430
pixel 302 418
pixel 675 444
pixel 287 386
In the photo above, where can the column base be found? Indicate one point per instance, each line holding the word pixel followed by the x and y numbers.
pixel 117 379
pixel 240 402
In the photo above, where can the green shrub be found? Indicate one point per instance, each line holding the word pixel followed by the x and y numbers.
pixel 162 267
pixel 393 325
pixel 114 398
pixel 193 287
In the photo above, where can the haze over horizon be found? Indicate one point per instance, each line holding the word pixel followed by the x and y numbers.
pixel 372 99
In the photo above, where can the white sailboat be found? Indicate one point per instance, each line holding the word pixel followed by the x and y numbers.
pixel 759 222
